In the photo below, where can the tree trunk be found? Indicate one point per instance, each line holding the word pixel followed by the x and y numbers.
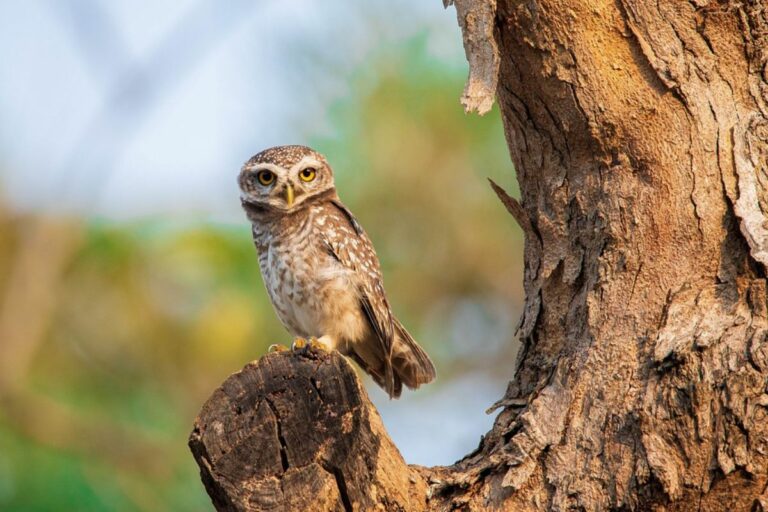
pixel 639 131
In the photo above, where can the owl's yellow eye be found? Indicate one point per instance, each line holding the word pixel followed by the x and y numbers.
pixel 265 177
pixel 307 174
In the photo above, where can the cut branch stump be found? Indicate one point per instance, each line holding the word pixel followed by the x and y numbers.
pixel 296 431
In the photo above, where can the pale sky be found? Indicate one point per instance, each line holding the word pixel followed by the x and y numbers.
pixel 132 108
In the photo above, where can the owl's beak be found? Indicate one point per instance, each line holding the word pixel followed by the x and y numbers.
pixel 289 194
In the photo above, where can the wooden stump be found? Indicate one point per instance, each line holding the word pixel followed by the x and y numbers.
pixel 296 431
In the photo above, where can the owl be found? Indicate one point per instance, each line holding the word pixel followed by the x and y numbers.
pixel 320 269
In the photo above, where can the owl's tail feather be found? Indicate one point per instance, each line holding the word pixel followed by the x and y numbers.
pixel 410 364
pixel 381 374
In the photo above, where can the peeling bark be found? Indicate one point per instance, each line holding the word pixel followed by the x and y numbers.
pixel 639 132
pixel 477 21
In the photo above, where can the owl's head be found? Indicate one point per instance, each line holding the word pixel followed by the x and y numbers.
pixel 284 178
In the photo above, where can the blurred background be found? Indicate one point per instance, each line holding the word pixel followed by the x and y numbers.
pixel 129 285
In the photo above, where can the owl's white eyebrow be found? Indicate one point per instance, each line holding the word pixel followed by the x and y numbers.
pixel 307 161
pixel 267 167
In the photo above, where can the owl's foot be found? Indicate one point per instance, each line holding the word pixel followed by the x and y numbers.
pixel 298 344
pixel 316 344
pixel 304 345
pixel 276 347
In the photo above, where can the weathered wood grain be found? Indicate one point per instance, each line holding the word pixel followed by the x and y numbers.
pixel 296 431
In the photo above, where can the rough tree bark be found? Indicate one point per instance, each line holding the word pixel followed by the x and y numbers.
pixel 639 131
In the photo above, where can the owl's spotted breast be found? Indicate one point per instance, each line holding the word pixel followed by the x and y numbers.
pixel 312 293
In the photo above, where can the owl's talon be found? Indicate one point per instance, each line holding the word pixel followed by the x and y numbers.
pixel 316 344
pixel 277 347
pixel 298 344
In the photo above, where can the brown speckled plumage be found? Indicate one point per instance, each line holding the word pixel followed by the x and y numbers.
pixel 320 268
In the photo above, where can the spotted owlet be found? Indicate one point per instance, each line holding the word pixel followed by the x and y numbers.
pixel 320 268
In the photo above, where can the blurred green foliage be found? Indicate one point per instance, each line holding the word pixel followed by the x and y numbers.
pixel 147 318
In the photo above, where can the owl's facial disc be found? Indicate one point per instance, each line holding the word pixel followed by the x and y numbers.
pixel 286 185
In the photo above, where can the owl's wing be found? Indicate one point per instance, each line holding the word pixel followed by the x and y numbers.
pixel 350 218
pixel 346 241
